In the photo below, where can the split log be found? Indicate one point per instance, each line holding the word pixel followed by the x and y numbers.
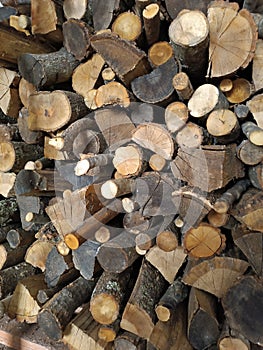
pixel 140 309
pixel 215 275
pixel 253 133
pixel 214 166
pixel 183 86
pixel 203 241
pixel 45 111
pixel 166 336
pixel 9 101
pixel 246 318
pixel 176 116
pixel 151 22
pixel 224 125
pixel 143 86
pixel 109 296
pixel 58 311
pixel 159 53
pixel 223 38
pixel 85 76
pixel 11 276
pixel 249 153
pixel 175 294
pixel 103 13
pixel 47 69
pixel 255 174
pixel 111 94
pixel 82 333
pixel 249 209
pixel 255 108
pixel 203 326
pixel 129 160
pixel 117 254
pixel 190 45
pixel 28 136
pixel 200 106
pixel 43 16
pixel 155 138
pixel 129 341
pixel 127 61
pixel 37 254
pixel 128 26
pixel 76 36
pixel 167 263
pixel 24 306
pixel 231 339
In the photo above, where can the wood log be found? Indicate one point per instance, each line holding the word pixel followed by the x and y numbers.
pixel 112 93
pixel 257 60
pixel 75 9
pixel 43 12
pixel 116 188
pixel 218 220
pixel 24 306
pixel 190 45
pixel 86 75
pixel 199 106
pixel 174 295
pixel 206 162
pixel 103 13
pixel 204 241
pixel 58 311
pixel 47 69
pixel 241 91
pixel 245 317
pixel 99 160
pixel 238 54
pixel 203 326
pixel 168 239
pixel 109 296
pixel 37 254
pixel 45 110
pixel 10 257
pixel 215 275
pixel 249 153
pixel 129 160
pixel 76 34
pixel 159 53
pixel 176 116
pixel 151 22
pixel 28 136
pixel 253 133
pixel 9 102
pixel 230 339
pixel 255 108
pixel 248 209
pixel 167 263
pixel 108 333
pixel 126 69
pixel 157 162
pixel 11 276
pixel 175 6
pixel 253 5
pixel 183 86
pixel 8 211
pixel 129 341
pixel 82 333
pixel 190 136
pixel 143 86
pixel 117 254
pixel 140 309
pixel 224 125
pixel 108 75
pixel 128 26
pixel 18 237
pixel 7 182
pixel 255 174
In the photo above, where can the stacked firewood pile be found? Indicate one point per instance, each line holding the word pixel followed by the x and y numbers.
pixel 131 172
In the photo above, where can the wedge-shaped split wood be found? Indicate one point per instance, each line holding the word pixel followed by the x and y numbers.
pixel 9 97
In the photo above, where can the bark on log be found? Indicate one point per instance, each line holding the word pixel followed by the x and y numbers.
pixel 249 153
pixel 253 133
pixel 231 339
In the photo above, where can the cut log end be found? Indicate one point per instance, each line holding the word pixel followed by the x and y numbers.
pixel 72 241
pixel 163 313
pixel 104 308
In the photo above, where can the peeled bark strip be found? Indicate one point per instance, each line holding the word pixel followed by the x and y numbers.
pixel 203 241
pixel 9 98
pixel 232 340
pixel 246 317
pixel 249 153
pixel 76 35
pixel 155 138
pixel 143 86
pixel 108 297
pixel 200 106
pixel 223 41
pixel 128 26
pixel 86 74
pixel 224 125
pixel 47 69
pixel 190 44
pixel 174 295
pixel 167 263
pixel 160 52
pixel 82 333
pixel 203 327
pixel 58 311
pixel 183 86
pixel 215 275
pixel 151 21
pixel 140 309
pixel 225 202
pixel 12 275
pixel 249 209
pixel 127 61
pixel 50 111
pixel 117 254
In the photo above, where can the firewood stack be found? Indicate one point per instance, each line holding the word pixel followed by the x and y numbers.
pixel 131 172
